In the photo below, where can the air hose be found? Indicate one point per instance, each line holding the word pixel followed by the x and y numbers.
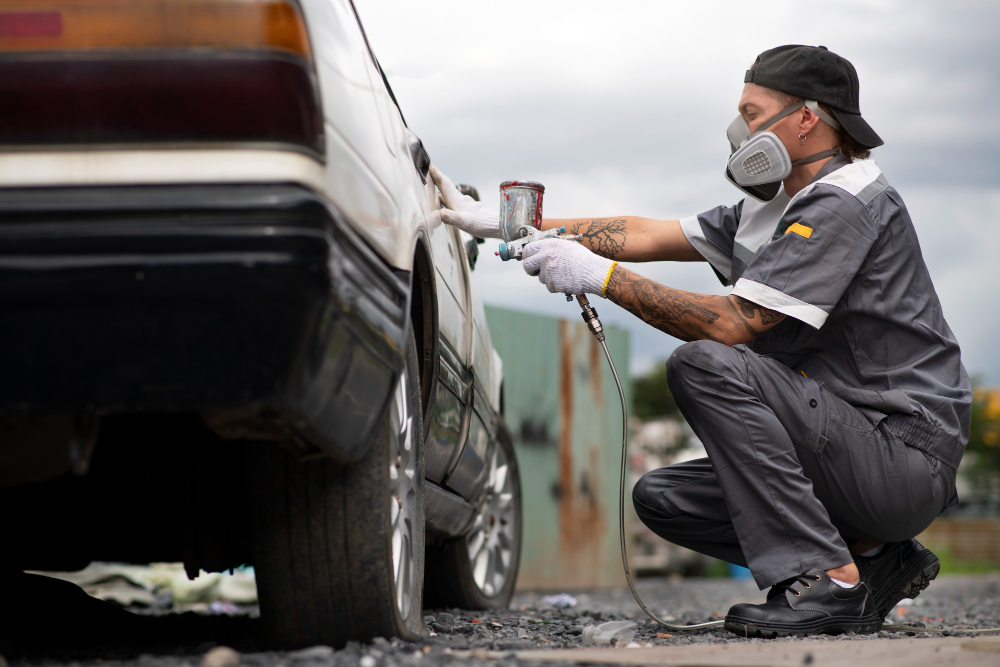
pixel 595 326
pixel 590 317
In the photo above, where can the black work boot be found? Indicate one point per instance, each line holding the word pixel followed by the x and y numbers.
pixel 807 604
pixel 900 570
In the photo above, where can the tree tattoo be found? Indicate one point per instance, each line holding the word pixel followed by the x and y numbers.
pixel 605 235
pixel 686 315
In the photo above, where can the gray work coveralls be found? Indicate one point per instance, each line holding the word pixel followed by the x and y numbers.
pixel 845 421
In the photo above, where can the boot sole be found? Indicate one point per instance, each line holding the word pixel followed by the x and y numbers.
pixel 908 585
pixel 829 626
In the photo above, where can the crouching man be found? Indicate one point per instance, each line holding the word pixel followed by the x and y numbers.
pixel 827 387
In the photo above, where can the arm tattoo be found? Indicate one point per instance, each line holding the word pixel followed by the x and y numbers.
pixel 686 315
pixel 749 310
pixel 606 236
pixel 681 314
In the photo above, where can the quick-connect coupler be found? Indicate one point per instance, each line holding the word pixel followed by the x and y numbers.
pixel 589 315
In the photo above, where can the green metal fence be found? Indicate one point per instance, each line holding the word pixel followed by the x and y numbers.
pixel 562 407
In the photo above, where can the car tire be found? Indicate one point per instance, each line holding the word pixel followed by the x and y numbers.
pixel 479 570
pixel 339 549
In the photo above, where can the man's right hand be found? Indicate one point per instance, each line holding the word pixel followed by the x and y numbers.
pixel 465 212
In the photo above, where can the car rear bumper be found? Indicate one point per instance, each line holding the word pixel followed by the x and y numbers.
pixel 255 305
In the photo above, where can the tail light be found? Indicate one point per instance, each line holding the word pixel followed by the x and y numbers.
pixel 155 71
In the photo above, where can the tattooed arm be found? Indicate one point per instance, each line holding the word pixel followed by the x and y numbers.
pixel 688 316
pixel 631 238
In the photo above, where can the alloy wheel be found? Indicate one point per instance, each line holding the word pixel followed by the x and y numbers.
pixel 403 499
pixel 492 540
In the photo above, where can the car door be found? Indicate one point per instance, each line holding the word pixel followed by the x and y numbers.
pixel 471 466
pixel 452 395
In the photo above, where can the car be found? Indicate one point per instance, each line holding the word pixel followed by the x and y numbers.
pixel 234 327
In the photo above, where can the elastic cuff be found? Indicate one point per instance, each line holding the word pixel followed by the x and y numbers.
pixel 607 279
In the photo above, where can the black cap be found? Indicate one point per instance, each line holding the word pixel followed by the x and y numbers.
pixel 816 73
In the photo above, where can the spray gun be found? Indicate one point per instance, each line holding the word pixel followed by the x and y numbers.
pixel 514 249
pixel 521 219
pixel 520 224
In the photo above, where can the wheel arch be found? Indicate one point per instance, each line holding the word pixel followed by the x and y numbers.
pixel 424 320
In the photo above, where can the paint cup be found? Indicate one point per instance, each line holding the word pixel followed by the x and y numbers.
pixel 520 206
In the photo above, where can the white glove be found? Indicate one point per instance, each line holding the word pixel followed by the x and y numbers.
pixel 465 212
pixel 567 267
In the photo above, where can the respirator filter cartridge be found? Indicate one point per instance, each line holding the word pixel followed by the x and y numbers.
pixel 761 159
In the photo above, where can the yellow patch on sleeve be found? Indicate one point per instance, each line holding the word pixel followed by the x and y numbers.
pixel 800 229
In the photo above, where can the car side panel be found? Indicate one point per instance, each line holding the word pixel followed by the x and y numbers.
pixel 471 466
pixel 448 423
pixel 364 175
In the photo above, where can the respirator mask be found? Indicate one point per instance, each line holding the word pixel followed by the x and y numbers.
pixel 759 161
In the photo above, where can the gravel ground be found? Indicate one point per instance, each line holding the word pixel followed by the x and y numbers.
pixel 183 640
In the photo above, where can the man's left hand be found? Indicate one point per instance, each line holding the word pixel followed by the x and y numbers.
pixel 567 267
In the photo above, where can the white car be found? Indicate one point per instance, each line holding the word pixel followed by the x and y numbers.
pixel 232 319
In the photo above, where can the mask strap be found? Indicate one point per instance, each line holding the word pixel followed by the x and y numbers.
pixel 816 157
pixel 813 106
pixel 787 111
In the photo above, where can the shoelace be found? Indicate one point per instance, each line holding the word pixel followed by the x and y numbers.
pixel 807 580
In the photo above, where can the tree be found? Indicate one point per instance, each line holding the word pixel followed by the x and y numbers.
pixel 983 452
pixel 651 396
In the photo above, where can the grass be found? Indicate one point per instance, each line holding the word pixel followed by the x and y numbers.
pixel 952 565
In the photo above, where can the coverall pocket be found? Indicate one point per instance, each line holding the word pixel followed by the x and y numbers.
pixel 816 419
pixel 844 423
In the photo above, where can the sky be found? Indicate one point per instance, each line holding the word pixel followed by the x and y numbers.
pixel 621 108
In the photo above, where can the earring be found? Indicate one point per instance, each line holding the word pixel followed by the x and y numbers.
pixel 802 140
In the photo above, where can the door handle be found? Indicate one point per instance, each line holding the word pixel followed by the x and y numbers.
pixel 472 251
pixel 421 160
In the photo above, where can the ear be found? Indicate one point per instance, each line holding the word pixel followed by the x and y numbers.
pixel 807 121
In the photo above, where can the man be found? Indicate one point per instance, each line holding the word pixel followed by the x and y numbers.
pixel 827 387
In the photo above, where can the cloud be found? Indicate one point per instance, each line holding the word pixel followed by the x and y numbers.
pixel 622 108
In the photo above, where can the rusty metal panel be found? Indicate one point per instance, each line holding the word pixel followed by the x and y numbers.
pixel 562 407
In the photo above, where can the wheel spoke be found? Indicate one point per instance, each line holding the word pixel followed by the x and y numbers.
pixel 491 571
pixel 505 501
pixel 476 542
pixel 501 478
pixel 480 567
pixel 397 551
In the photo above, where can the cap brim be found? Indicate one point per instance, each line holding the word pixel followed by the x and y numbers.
pixel 858 128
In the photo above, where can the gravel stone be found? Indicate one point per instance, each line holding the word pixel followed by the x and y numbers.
pixel 221 656
pixel 312 654
pixel 444 622
pixel 462 638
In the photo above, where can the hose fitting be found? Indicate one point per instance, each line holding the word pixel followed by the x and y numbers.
pixel 589 315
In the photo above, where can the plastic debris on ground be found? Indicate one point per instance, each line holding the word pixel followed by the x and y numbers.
pixel 610 632
pixel 165 587
pixel 560 600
